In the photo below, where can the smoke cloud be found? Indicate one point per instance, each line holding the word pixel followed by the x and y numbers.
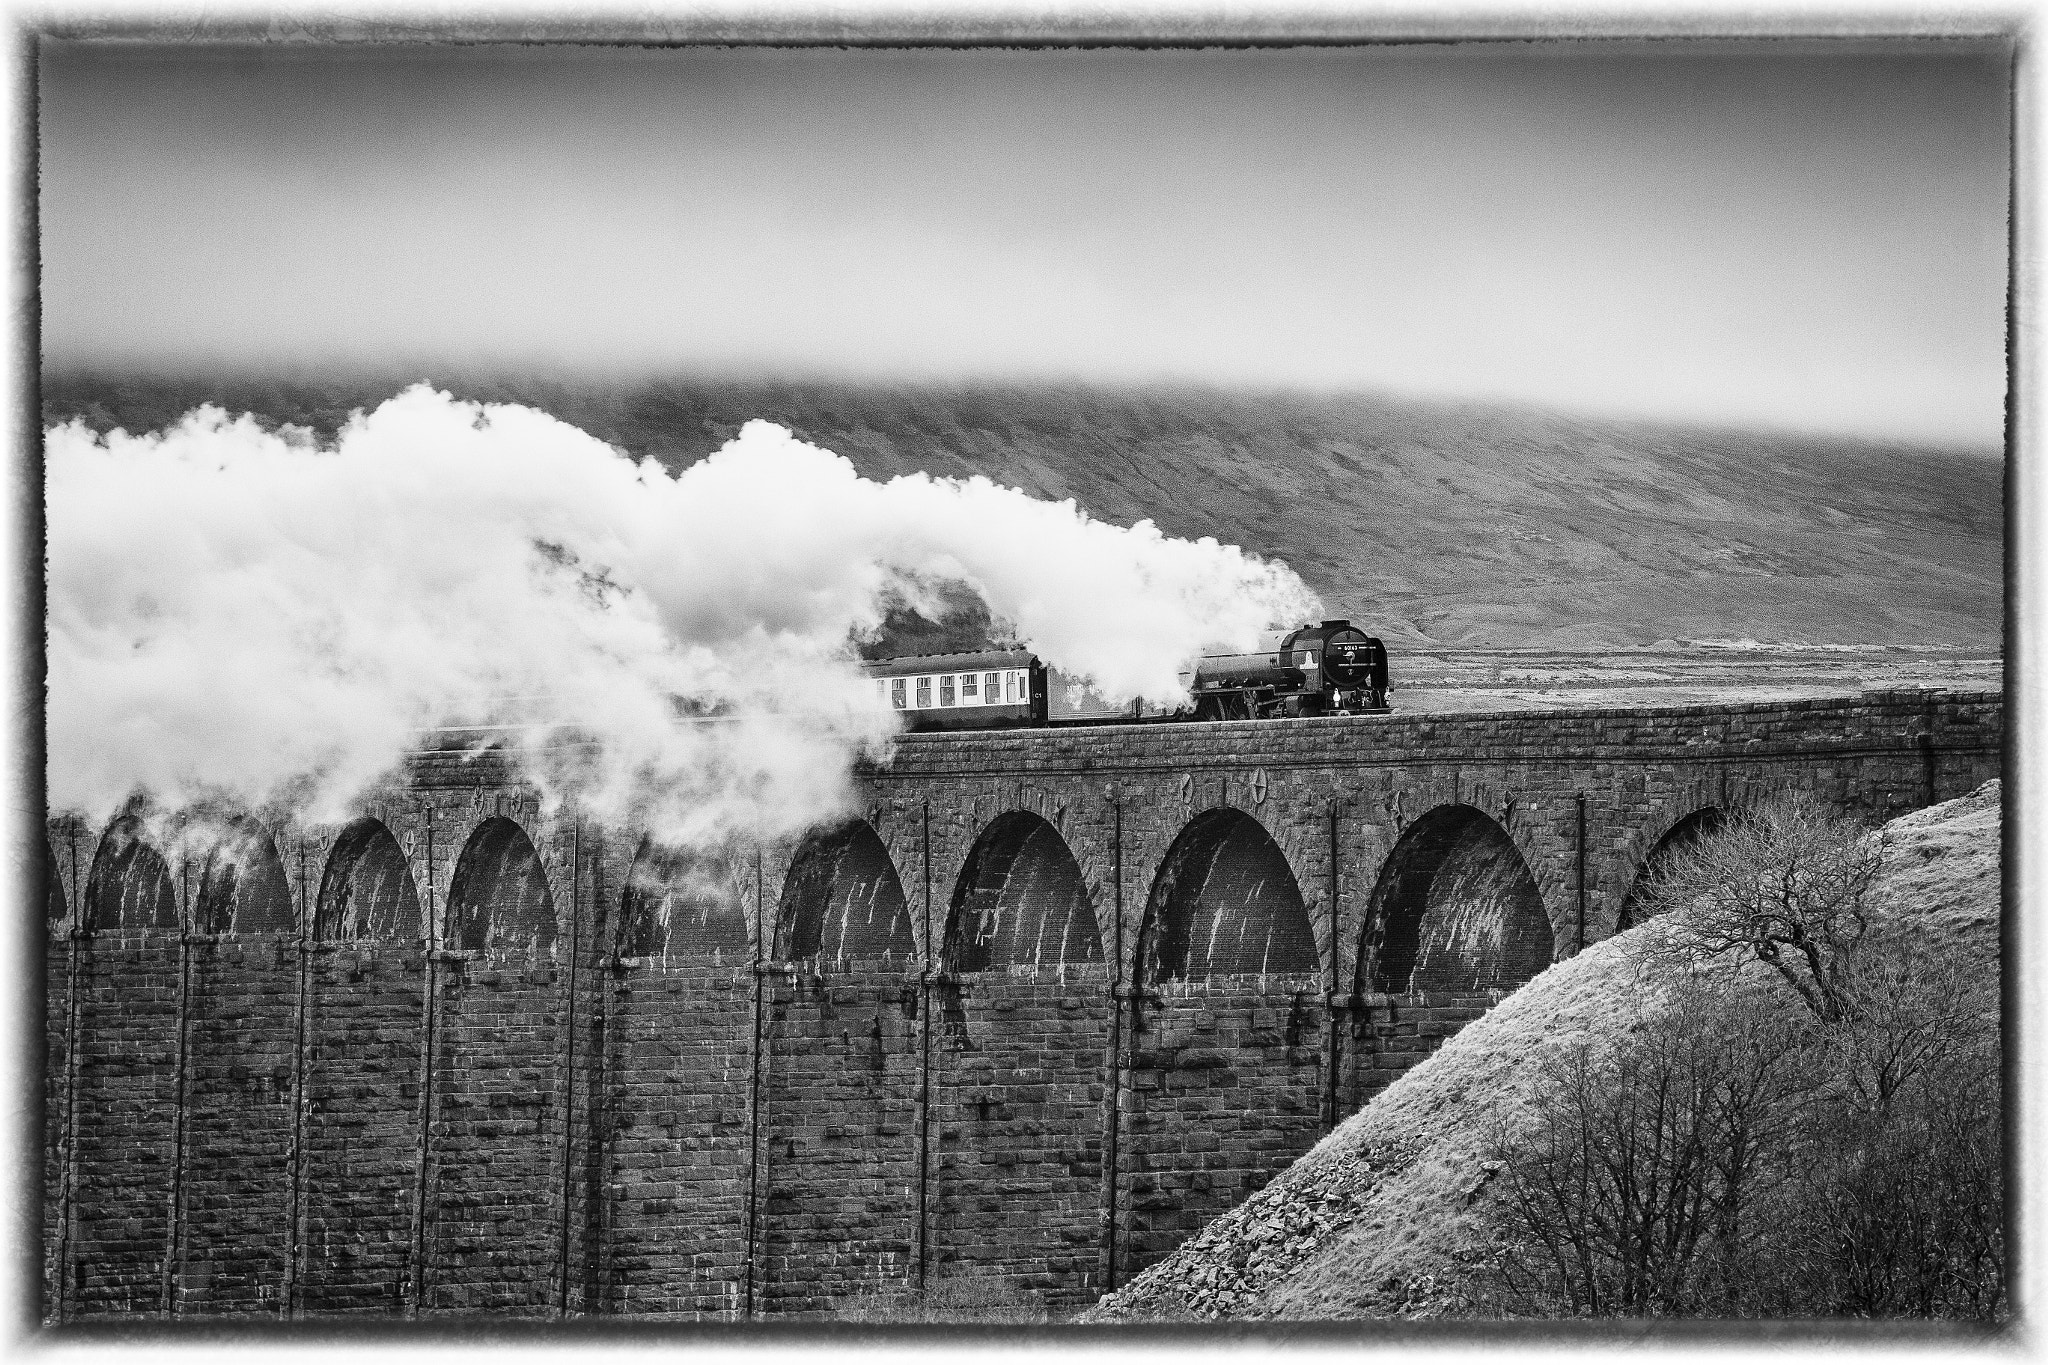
pixel 254 617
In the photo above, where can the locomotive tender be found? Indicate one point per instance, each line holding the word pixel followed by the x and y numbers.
pixel 1332 668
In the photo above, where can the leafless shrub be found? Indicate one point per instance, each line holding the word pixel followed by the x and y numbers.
pixel 1910 1210
pixel 1631 1191
pixel 1785 883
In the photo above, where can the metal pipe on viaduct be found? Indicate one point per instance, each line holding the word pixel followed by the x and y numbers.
pixel 1051 1001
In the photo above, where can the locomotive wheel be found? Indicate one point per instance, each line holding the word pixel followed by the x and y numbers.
pixel 1226 706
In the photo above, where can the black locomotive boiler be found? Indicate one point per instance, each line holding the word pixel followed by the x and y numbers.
pixel 1323 670
pixel 1332 668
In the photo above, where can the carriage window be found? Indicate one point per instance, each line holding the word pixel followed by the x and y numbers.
pixel 993 682
pixel 945 689
pixel 967 690
pixel 924 693
pixel 896 692
pixel 1009 687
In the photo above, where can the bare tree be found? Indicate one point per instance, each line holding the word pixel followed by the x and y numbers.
pixel 1910 1207
pixel 1918 1011
pixel 1909 1212
pixel 1628 1191
pixel 1785 883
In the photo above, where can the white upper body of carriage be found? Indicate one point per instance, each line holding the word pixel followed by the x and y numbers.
pixel 933 691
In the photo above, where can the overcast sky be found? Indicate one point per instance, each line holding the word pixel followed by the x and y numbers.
pixel 1796 235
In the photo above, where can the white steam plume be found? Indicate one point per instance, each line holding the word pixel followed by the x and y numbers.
pixel 250 616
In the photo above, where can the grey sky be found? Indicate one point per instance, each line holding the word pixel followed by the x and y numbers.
pixel 1801 235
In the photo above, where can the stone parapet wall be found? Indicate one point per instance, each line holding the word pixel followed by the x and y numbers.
pixel 1872 720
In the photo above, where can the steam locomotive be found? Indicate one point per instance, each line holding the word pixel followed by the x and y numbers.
pixel 1330 669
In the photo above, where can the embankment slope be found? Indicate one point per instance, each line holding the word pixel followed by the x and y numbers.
pixel 1388 1215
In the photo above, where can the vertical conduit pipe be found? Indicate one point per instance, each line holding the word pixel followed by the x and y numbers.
pixel 430 943
pixel 597 1209
pixel 1116 1043
pixel 569 1065
pixel 1929 788
pixel 295 1157
pixel 763 950
pixel 174 1237
pixel 924 1070
pixel 1330 1003
pixel 67 1193
pixel 1581 877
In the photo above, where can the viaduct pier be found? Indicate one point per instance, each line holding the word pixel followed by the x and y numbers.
pixel 1044 1005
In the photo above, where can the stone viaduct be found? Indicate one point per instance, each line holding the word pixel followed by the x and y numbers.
pixel 1051 1001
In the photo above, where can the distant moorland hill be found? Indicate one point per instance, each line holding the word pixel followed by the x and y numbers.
pixel 1438 525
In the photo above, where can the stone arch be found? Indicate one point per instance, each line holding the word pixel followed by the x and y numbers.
pixel 1225 901
pixel 843 899
pixel 130 886
pixel 1682 835
pixel 1021 901
pixel 242 884
pixel 681 902
pixel 1455 908
pixel 367 890
pixel 499 897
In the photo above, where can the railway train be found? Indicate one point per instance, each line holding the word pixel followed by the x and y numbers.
pixel 1328 669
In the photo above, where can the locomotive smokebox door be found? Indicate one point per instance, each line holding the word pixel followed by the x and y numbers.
pixel 1354 673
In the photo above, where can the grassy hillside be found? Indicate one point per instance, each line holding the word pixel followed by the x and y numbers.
pixel 1456 527
pixel 1389 1215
